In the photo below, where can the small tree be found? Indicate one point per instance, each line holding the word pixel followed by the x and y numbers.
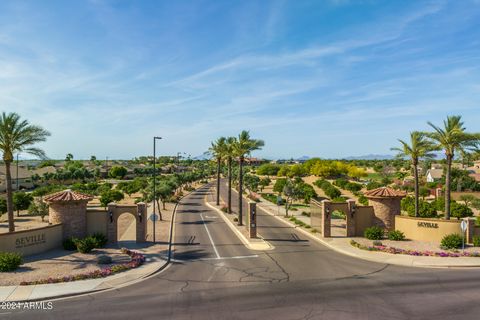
pixel 264 182
pixel 279 185
pixel 38 208
pixel 110 196
pixel 468 199
pixel 3 206
pixel 21 201
pixel 118 172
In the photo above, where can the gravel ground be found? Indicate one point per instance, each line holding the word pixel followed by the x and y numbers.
pixel 413 245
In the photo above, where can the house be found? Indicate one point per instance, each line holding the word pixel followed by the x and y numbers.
pixel 434 175
pixel 24 178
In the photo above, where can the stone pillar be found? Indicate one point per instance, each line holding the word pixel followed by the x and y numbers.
pixel 350 218
pixel 326 218
pixel 469 233
pixel 112 223
pixel 252 219
pixel 141 221
pixel 385 210
pixel 72 216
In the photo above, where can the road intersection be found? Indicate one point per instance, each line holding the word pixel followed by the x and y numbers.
pixel 214 276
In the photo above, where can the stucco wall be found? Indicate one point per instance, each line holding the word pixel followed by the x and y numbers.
pixel 97 220
pixel 28 242
pixel 363 219
pixel 426 229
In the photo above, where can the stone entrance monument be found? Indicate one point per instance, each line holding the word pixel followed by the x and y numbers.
pixel 386 205
pixel 70 209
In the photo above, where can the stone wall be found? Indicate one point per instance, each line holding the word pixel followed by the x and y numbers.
pixel 34 241
pixel 73 217
pixel 385 211
pixel 425 229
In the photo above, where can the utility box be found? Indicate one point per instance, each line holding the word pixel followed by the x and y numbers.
pixel 252 219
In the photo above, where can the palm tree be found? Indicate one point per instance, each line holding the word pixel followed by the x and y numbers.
pixel 244 145
pixel 420 147
pixel 218 149
pixel 17 135
pixel 451 138
pixel 229 152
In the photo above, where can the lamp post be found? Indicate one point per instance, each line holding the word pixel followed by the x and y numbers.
pixel 18 186
pixel 154 184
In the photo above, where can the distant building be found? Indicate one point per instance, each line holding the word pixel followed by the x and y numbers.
pixel 24 178
pixel 434 175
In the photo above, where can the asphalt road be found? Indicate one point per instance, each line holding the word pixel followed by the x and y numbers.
pixel 213 276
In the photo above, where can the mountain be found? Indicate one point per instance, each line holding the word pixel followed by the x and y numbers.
pixel 203 156
pixel 372 157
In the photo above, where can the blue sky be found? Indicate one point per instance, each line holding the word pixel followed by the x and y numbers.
pixel 319 78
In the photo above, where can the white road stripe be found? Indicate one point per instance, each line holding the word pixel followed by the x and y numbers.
pixel 210 237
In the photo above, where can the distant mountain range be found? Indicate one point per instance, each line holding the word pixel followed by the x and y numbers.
pixel 372 157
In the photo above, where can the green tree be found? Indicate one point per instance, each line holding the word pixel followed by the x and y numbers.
pixel 69 157
pixel 279 185
pixel 420 147
pixel 38 208
pixel 110 196
pixel 460 210
pixel 243 146
pixel 16 136
pixel 264 182
pixel 118 172
pixel 219 151
pixel 468 199
pixel 93 159
pixel 452 138
pixel 21 201
pixel 229 154
pixel 3 206
pixel 252 182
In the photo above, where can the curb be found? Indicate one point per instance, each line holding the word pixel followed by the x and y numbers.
pixel 237 232
pixel 351 254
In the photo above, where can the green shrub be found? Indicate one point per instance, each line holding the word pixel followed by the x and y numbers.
pixel 69 244
pixel 396 235
pixel 363 200
pixel 451 241
pixel 100 240
pixel 373 233
pixel 104 259
pixel 235 219
pixel 9 261
pixel 476 241
pixel 86 245
pixel 377 243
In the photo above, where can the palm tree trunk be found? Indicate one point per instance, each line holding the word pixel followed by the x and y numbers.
pixel 229 185
pixel 11 225
pixel 218 181
pixel 415 174
pixel 240 192
pixel 159 211
pixel 447 186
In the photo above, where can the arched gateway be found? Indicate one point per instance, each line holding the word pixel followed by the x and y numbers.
pixel 70 209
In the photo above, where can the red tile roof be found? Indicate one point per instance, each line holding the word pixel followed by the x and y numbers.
pixel 384 192
pixel 67 196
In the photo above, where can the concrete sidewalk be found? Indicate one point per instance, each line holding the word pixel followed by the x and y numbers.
pixel 58 290
pixel 342 245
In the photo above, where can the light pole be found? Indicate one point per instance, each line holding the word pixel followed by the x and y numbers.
pixel 154 184
pixel 18 186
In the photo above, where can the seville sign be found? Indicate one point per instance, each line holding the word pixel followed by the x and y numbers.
pixel 423 224
pixel 28 241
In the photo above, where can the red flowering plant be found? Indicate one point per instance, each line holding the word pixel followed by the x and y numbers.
pixel 136 260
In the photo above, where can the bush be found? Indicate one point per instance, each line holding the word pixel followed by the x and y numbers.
pixel 104 259
pixel 100 240
pixel 396 235
pixel 460 210
pixel 451 241
pixel 70 244
pixel 363 200
pixel 235 219
pixel 373 233
pixel 9 261
pixel 377 243
pixel 86 245
pixel 476 241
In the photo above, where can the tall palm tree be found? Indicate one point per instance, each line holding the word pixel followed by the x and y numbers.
pixel 420 147
pixel 17 135
pixel 244 145
pixel 229 153
pixel 451 138
pixel 218 149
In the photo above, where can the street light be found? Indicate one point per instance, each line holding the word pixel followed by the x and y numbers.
pixel 18 186
pixel 154 184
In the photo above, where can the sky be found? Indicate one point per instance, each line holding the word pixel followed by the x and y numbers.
pixel 332 78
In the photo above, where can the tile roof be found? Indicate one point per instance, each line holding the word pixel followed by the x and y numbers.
pixel 67 196
pixel 384 192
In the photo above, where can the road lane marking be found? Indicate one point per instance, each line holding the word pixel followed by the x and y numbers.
pixel 215 259
pixel 210 237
